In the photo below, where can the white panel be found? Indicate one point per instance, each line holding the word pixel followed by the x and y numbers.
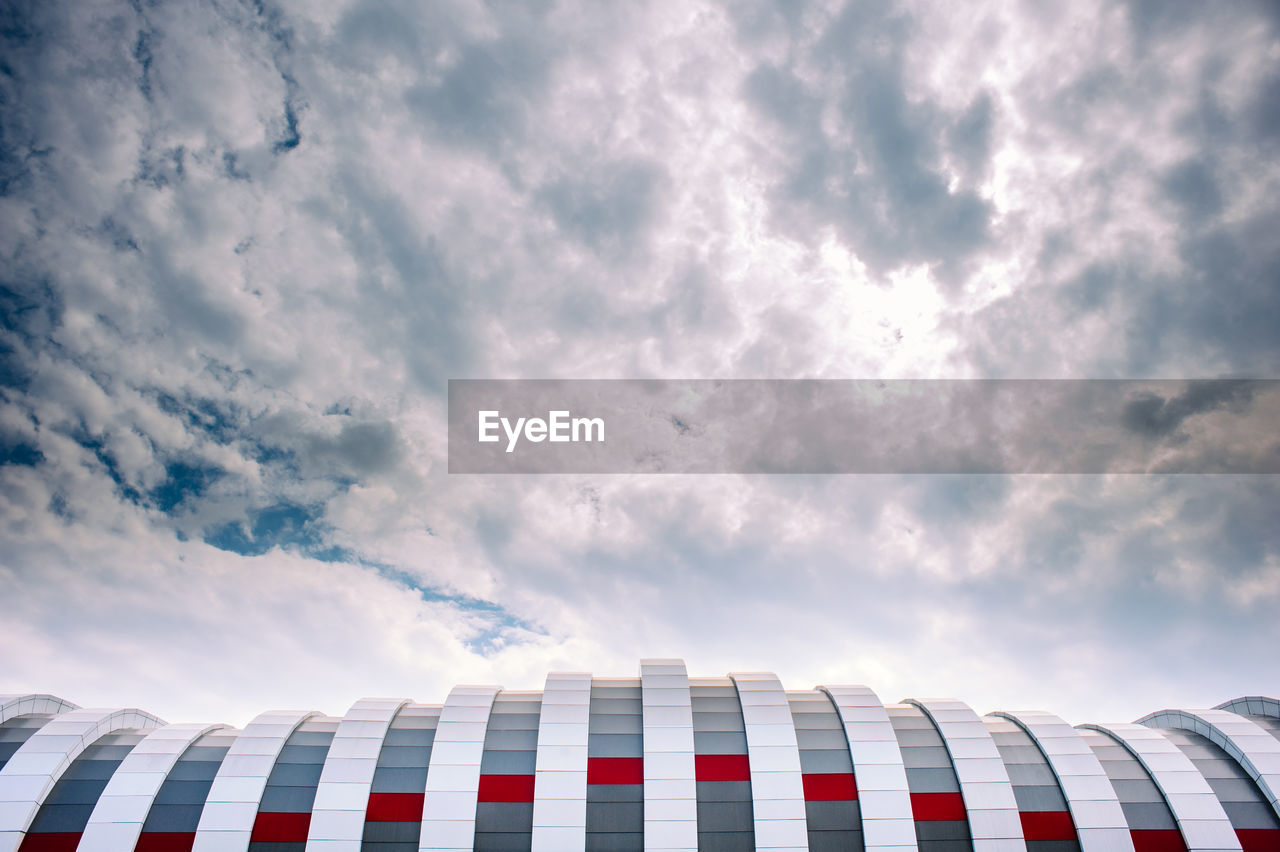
pixel 337 817
pixel 30 704
pixel 775 762
pixel 1204 824
pixel 232 804
pixel 993 826
pixel 1257 752
pixel 39 762
pixel 560 767
pixel 670 822
pixel 453 774
pixel 117 817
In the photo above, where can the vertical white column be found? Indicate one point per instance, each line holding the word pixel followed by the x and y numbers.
pixel 670 780
pixel 342 796
pixel 1092 801
pixel 884 798
pixel 777 786
pixel 560 770
pixel 122 808
pixel 226 823
pixel 453 773
pixel 984 782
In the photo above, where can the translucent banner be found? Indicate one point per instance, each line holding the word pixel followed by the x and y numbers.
pixel 864 426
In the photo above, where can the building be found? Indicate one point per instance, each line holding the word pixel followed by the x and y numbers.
pixel 656 762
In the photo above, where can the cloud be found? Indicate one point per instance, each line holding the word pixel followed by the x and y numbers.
pixel 245 246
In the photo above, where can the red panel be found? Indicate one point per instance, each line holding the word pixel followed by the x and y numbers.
pixel 394 807
pixel 1259 839
pixel 52 841
pixel 1047 825
pixel 615 770
pixel 281 828
pixel 937 807
pixel 1161 840
pixel 165 841
pixel 505 788
pixel 830 787
pixel 721 767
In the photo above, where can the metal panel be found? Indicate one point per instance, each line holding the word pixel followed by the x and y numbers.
pixel 670 785
pixel 984 782
pixel 453 775
pixel 560 768
pixel 36 766
pixel 118 816
pixel 1257 752
pixel 883 796
pixel 1095 810
pixel 337 817
pixel 777 788
pixel 1200 817
pixel 232 805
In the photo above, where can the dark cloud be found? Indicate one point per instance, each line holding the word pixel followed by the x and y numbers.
pixel 1152 415
pixel 609 207
pixel 886 193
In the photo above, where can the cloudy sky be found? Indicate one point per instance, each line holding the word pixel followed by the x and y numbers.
pixel 246 244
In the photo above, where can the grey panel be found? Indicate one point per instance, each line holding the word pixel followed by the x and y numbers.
pixel 1129 790
pixel 835 841
pixel 726 721
pixel 303 753
pixel 1039 798
pixel 78 791
pixel 724 791
pixel 1144 815
pixel 192 770
pixel 619 724
pixel 925 757
pixel 404 756
pixel 724 816
pixel 523 740
pixel 719 742
pixel 409 737
pixel 1250 815
pixel 828 816
pixel 727 703
pixel 393 832
pixel 615 816
pixel 513 722
pixel 932 780
pixel 180 792
pixel 614 841
pixel 508 762
pixel 394 779
pixel 505 816
pixel 943 830
pixel 175 818
pixel 633 793
pixel 824 738
pixel 615 745
pixel 61 818
pixel 825 762
pixel 917 737
pixel 295 775
pixel 197 752
pixel 493 841
pixel 287 799
pixel 1031 775
pixel 726 841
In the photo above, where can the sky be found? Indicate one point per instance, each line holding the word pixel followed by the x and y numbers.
pixel 246 245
